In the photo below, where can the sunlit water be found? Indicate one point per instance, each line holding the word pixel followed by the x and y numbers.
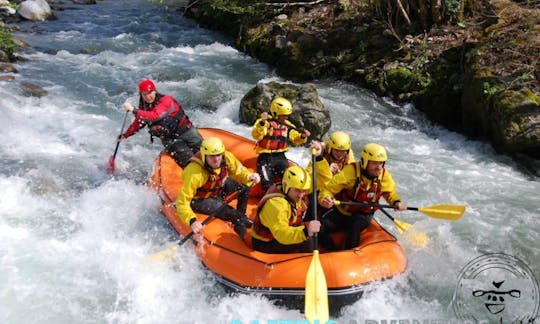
pixel 73 240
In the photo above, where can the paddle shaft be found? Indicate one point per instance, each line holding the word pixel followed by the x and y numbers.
pixel 316 294
pixel 387 214
pixel 121 132
pixel 447 212
pixel 110 167
pixel 314 180
pixel 204 222
pixel 368 204
pixel 116 149
pixel 213 214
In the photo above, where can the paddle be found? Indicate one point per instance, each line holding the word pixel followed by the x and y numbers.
pixel 110 167
pixel 166 254
pixel 316 299
pixel 446 211
pixel 418 238
pixel 401 225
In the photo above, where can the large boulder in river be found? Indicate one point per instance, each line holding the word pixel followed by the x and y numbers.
pixel 308 110
pixel 35 10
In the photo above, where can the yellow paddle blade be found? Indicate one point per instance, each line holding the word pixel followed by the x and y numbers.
pixel 416 238
pixel 449 212
pixel 413 236
pixel 164 255
pixel 401 226
pixel 316 302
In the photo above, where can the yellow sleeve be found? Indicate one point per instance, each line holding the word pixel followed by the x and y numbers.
pixel 259 131
pixel 388 186
pixel 295 137
pixel 193 177
pixel 275 215
pixel 324 175
pixel 236 170
pixel 344 179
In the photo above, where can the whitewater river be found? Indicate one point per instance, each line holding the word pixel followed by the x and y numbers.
pixel 73 240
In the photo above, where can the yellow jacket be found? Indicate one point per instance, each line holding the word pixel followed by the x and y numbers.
pixel 195 176
pixel 260 131
pixel 346 179
pixel 324 175
pixel 276 215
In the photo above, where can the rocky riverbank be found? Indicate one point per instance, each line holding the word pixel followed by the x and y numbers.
pixel 480 77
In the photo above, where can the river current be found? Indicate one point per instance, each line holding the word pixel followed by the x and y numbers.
pixel 74 240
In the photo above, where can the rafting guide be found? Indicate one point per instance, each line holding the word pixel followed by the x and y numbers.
pixel 166 120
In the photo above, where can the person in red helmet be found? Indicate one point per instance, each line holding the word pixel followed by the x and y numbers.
pixel 167 120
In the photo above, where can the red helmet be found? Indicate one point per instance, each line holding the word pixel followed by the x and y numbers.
pixel 147 85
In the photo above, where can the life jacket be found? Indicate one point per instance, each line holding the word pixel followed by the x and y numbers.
pixel 276 136
pixel 174 124
pixel 328 156
pixel 214 185
pixel 362 193
pixel 297 214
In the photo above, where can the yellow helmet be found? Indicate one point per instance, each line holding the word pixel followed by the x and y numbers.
pixel 280 106
pixel 211 146
pixel 296 177
pixel 372 152
pixel 339 141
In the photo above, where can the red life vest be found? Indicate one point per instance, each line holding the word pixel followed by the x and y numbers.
pixel 175 123
pixel 362 193
pixel 214 186
pixel 275 191
pixel 276 137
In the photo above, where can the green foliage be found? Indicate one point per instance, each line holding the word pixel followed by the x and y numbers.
pixel 527 76
pixel 344 5
pixel 402 80
pixel 6 43
pixel 531 95
pixel 231 6
pixel 453 6
pixel 488 89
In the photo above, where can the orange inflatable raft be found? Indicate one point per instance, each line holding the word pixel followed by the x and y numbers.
pixel 278 276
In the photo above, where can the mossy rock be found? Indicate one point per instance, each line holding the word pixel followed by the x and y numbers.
pixel 514 120
pixel 7 45
pixel 402 80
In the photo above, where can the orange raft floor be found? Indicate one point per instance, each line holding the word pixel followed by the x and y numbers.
pixel 277 276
